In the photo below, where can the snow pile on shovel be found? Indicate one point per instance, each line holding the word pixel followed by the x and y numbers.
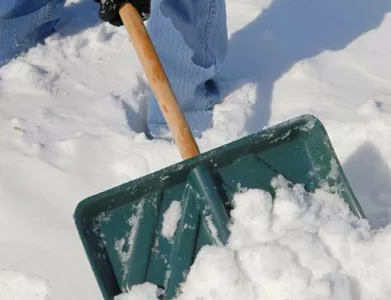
pixel 303 246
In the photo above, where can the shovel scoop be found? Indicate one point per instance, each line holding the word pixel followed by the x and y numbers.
pixel 151 229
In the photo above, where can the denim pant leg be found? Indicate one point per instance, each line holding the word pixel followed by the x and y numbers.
pixel 24 23
pixel 190 37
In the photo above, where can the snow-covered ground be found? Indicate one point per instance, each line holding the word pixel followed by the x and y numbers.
pixel 72 117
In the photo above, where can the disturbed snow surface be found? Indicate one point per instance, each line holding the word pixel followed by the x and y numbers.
pixel 72 117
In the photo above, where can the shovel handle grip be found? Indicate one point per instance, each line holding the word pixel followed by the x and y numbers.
pixel 158 81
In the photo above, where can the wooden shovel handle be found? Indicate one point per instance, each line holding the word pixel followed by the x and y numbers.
pixel 159 82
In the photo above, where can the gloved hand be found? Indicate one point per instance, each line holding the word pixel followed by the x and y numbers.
pixel 109 10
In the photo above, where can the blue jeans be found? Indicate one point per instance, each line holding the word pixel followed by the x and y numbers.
pixel 190 37
pixel 24 23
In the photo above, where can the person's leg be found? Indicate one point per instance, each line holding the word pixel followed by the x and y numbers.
pixel 24 23
pixel 190 37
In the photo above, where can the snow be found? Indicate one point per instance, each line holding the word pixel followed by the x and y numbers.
pixel 14 285
pixel 144 291
pixel 72 116
pixel 170 219
pixel 128 242
pixel 280 251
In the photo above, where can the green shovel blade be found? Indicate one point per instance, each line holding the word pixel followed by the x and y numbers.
pixel 123 230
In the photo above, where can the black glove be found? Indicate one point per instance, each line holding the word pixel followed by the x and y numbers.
pixel 109 10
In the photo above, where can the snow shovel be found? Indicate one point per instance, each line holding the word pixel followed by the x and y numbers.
pixel 151 229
